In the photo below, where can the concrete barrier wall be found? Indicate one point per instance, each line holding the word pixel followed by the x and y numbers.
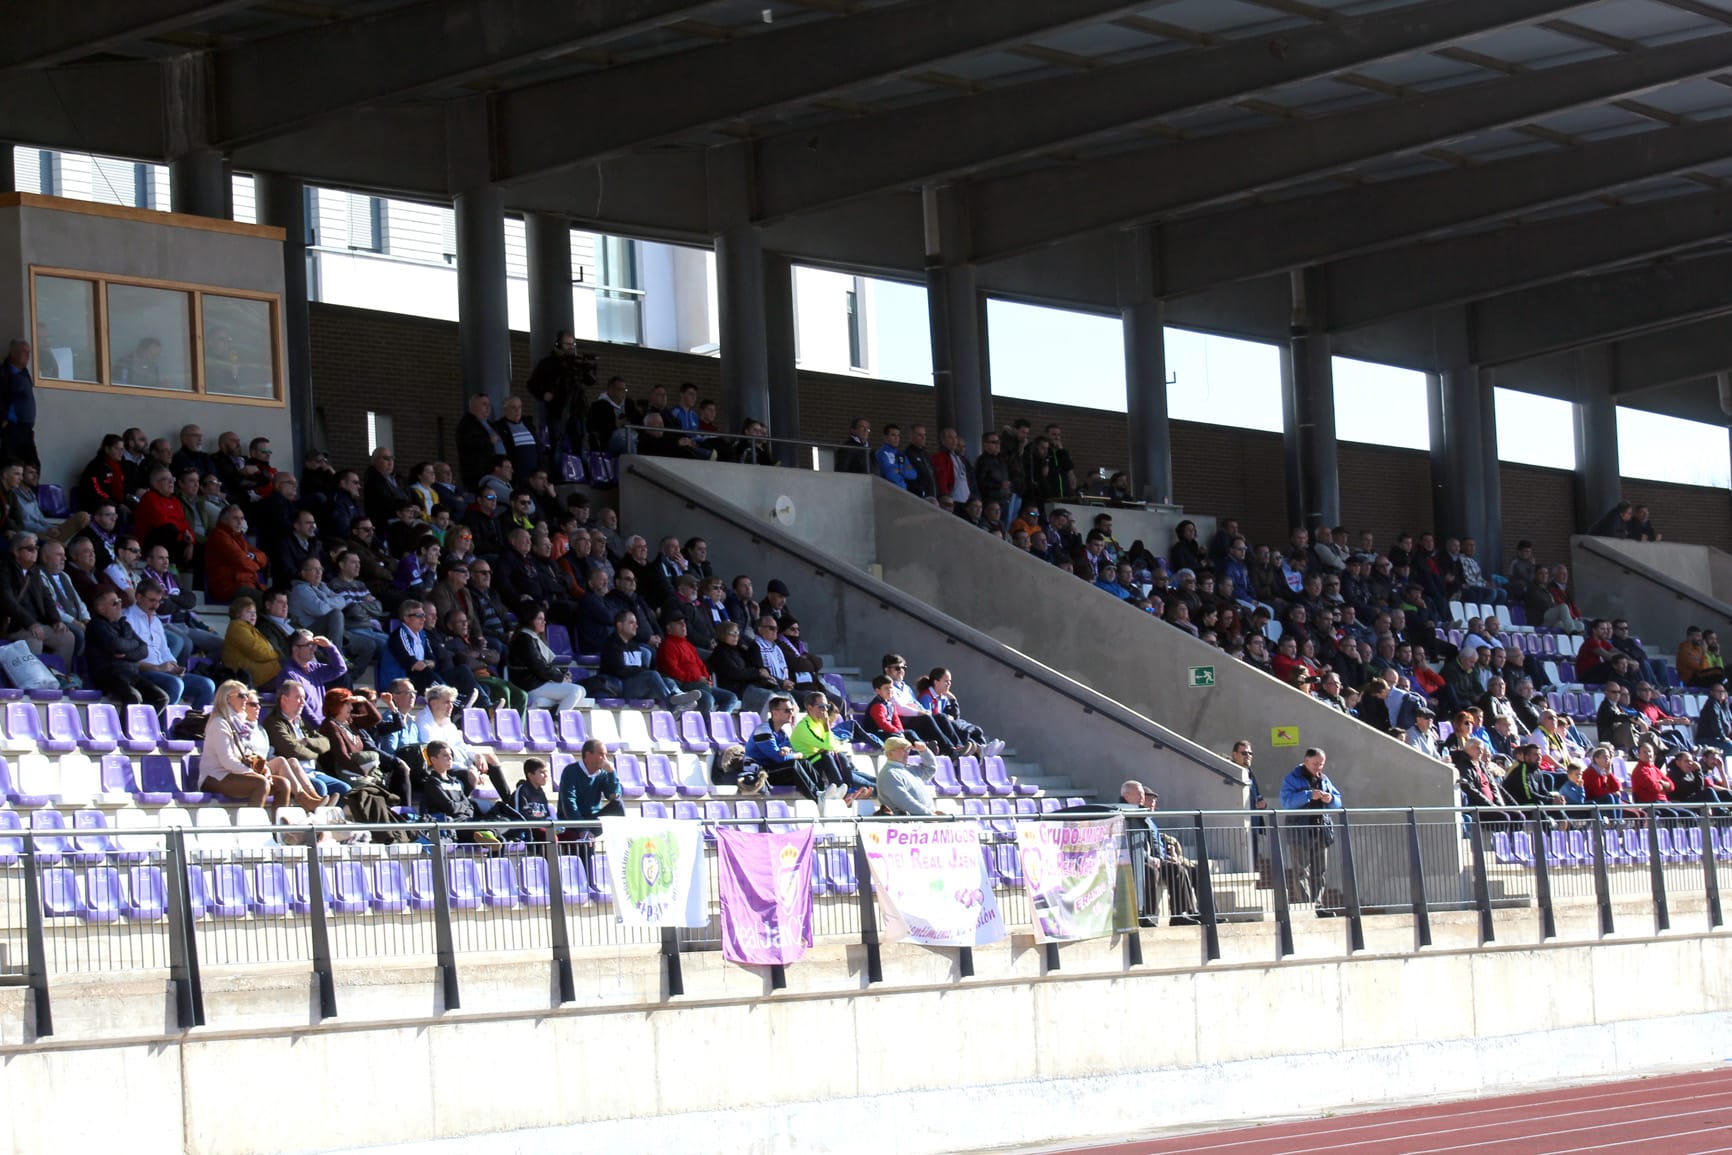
pixel 1124 653
pixel 1662 588
pixel 1070 733
pixel 1012 1057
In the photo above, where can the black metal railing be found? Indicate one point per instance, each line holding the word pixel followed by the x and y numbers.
pixel 178 902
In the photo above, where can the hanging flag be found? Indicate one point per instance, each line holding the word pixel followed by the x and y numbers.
pixel 931 884
pixel 1070 869
pixel 656 871
pixel 766 891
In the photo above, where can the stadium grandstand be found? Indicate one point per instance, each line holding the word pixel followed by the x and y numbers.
pixel 654 548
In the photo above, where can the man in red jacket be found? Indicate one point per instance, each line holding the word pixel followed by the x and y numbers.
pixel 161 518
pixel 677 660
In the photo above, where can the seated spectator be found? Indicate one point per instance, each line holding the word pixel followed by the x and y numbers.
pixel 827 756
pixel 1648 782
pixel 804 666
pixel 1480 785
pixel 1690 784
pixel 1528 784
pixel 274 621
pixel 1696 667
pixel 354 758
pixel 246 649
pixel 1593 660
pixel 902 790
pixel 677 660
pixel 228 762
pixel 935 695
pixel 314 663
pixel 769 749
pixel 1166 869
pixel 231 563
pixel 24 512
pixel 741 606
pixel 27 604
pixel 1561 613
pixel 418 569
pixel 459 664
pixel 1714 723
pixel 302 747
pixel 738 668
pixel 595 614
pixel 1600 779
pixel 315 606
pixel 447 797
pixel 159 664
pixel 411 647
pixel 932 728
pixel 536 671
pixel 1662 726
pixel 631 665
pixel 439 720
pixel 624 596
pixel 104 479
pixel 588 788
pixel 1422 735
pixel 161 519
pixel 1615 522
pixel 114 652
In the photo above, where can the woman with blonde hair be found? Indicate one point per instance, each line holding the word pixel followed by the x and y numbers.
pixel 230 764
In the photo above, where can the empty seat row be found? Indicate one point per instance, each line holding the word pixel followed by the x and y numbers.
pixel 1624 846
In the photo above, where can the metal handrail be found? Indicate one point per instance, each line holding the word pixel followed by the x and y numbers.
pixel 955 630
pixel 805 442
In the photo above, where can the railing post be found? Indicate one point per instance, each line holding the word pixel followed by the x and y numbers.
pixel 560 932
pixel 1710 869
pixel 1206 911
pixel 320 929
pixel 1133 934
pixel 1481 884
pixel 671 958
pixel 36 960
pixel 1416 883
pixel 1278 866
pixel 183 971
pixel 1350 890
pixel 1657 874
pixel 1602 882
pixel 1543 880
pixel 445 951
pixel 868 912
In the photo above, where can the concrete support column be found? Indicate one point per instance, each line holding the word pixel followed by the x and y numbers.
pixel 282 201
pixel 483 319
pixel 740 313
pixel 956 320
pixel 1467 496
pixel 783 417
pixel 547 245
pixel 1144 320
pixel 1308 410
pixel 1598 482
pixel 199 184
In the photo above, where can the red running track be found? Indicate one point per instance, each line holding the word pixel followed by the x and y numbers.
pixel 1673 1115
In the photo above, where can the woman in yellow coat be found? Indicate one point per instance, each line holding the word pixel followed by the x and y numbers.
pixel 246 648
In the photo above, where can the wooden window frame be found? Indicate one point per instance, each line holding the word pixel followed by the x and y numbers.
pixel 196 293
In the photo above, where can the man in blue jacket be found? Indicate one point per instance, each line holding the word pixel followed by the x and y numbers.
pixel 1309 836
pixel 18 405
pixel 892 463
pixel 769 750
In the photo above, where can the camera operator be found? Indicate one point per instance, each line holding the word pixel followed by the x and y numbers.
pixel 559 384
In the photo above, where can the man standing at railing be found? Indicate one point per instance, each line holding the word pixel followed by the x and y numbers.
pixel 1310 835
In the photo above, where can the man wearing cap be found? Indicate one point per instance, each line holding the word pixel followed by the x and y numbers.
pixel 1421 736
pixel 775 603
pixel 1164 860
pixel 902 790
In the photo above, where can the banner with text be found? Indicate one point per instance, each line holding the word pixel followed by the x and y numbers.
pixel 931 883
pixel 656 870
pixel 766 891
pixel 1071 871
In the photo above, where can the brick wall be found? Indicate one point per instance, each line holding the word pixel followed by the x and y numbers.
pixel 1232 473
pixel 1540 505
pixel 1384 490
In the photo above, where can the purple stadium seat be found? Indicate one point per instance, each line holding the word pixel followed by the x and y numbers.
pixel 663 729
pixel 944 776
pixel 1009 857
pixel 508 731
pixel 1027 806
pixel 820 882
pixel 574 881
pixel 96 836
pixel 775 808
pixel 748 810
pixel 601 881
pixel 748 723
pixel 542 732
pixel 146 894
pixel 573 732
pixel 559 641
pixel 142 724
pixel 64 725
pixel 1001 812
pixel 1549 644
pixel 52 499
pixel 968 772
pixel 973 808
pixel 1050 805
pixel 722 729
pixel 22 722
pixel 465 880
pixel 998 778
pixel 390 888
pixel 839 867
pixel 52 837
pixel 651 808
pixel 715 812
pixel 105 725
pixel 231 890
pixel 499 883
pixel 660 777
pixel 11 845
pixel 60 897
pixel 1075 802
pixel 533 887
pixel 694 734
pixel 271 889
pixel 420 891
pixel 629 771
pixel 478 728
pixel 687 812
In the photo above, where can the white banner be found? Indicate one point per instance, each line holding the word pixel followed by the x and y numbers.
pixel 656 871
pixel 931 883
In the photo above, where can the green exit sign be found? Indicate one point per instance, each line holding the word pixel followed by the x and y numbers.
pixel 1202 676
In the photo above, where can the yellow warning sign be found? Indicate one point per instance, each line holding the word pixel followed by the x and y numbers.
pixel 1284 736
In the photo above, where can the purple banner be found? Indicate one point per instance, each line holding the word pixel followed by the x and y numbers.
pixel 766 895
